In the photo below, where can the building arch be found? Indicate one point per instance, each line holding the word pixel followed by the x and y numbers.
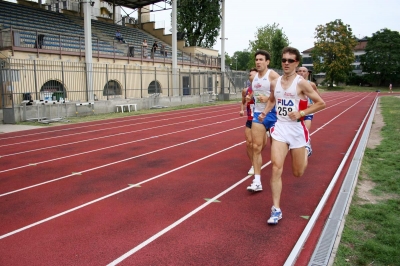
pixel 54 86
pixel 154 87
pixel 112 88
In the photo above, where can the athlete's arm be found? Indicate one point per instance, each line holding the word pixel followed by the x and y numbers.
pixel 305 88
pixel 270 102
pixel 315 87
pixel 244 91
pixel 273 76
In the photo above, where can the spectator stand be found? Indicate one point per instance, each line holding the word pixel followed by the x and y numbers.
pixel 154 100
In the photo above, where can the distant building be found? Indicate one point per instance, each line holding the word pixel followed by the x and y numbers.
pixel 358 51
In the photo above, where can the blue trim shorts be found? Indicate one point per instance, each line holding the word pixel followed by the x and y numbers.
pixel 309 117
pixel 269 120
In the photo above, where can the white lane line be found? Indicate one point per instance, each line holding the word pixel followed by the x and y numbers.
pixel 116 192
pixel 134 119
pixel 176 223
pixel 291 259
pixel 123 160
pixel 113 146
pixel 142 182
pixel 94 139
pixel 181 220
pixel 108 136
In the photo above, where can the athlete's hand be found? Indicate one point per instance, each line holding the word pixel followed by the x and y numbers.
pixel 262 98
pixel 241 113
pixel 248 98
pixel 294 116
pixel 261 117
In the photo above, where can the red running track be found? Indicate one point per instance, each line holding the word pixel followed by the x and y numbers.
pixel 136 190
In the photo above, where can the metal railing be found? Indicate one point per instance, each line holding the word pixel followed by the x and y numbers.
pixel 68 80
pixel 20 39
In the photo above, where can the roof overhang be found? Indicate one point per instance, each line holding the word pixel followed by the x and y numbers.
pixel 133 3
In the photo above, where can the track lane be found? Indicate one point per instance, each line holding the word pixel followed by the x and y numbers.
pixel 246 166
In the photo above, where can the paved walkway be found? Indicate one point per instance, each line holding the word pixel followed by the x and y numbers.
pixel 6 128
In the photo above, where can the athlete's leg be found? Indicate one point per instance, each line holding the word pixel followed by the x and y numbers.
pixel 249 143
pixel 258 133
pixel 308 124
pixel 279 151
pixel 299 161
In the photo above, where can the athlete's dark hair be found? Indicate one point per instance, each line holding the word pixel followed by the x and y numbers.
pixel 292 50
pixel 253 69
pixel 264 53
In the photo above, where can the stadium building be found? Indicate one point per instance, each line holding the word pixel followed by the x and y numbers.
pixel 45 74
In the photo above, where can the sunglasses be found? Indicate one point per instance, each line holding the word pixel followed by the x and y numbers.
pixel 284 60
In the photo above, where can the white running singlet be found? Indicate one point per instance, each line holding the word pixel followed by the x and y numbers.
pixel 288 101
pixel 261 87
pixel 294 133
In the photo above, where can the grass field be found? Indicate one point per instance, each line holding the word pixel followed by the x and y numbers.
pixel 372 230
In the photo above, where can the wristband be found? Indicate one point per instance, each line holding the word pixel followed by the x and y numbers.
pixel 302 113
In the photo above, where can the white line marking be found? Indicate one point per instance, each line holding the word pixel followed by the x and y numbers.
pixel 168 228
pixel 97 130
pixel 95 139
pixel 113 146
pixel 176 223
pixel 109 136
pixel 116 192
pixel 310 225
pixel 123 160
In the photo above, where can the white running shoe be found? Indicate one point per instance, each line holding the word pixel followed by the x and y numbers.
pixel 251 171
pixel 308 148
pixel 254 187
pixel 275 216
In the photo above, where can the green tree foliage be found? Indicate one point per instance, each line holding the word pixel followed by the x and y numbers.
pixel 382 57
pixel 333 51
pixel 228 59
pixel 200 21
pixel 264 39
pixel 240 60
pixel 278 42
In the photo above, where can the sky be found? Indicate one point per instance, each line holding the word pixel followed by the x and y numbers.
pixel 298 19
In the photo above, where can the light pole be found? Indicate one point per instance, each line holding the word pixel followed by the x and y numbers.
pixel 236 63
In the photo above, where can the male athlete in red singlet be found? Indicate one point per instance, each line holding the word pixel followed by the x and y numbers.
pixel 289 93
pixel 248 101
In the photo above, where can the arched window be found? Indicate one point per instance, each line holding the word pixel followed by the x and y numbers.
pixel 154 87
pixel 54 86
pixel 112 88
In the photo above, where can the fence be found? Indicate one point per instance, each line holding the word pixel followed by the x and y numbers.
pixel 37 79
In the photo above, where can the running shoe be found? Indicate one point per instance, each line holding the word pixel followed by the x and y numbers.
pixel 251 171
pixel 275 216
pixel 254 187
pixel 308 148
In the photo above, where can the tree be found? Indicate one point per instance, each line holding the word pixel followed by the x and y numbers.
pixel 240 59
pixel 333 51
pixel 382 57
pixel 200 21
pixel 264 37
pixel 278 42
pixel 228 59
